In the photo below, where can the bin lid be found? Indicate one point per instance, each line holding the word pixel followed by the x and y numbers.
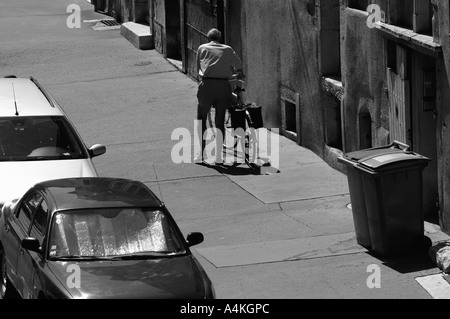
pixel 392 160
pixel 395 147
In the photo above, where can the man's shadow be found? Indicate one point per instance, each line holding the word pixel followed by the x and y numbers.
pixel 241 169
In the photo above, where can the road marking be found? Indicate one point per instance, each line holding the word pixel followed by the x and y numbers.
pixel 435 285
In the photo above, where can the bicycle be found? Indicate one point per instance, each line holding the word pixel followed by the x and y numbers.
pixel 242 122
pixel 245 119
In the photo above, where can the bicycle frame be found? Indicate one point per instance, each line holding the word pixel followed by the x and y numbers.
pixel 249 138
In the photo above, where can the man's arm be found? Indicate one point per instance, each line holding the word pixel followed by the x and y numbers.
pixel 237 66
pixel 198 64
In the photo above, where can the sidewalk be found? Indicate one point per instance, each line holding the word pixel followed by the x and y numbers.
pixel 310 191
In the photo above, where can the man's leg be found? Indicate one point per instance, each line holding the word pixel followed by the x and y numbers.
pixel 223 103
pixel 220 133
pixel 201 129
pixel 203 107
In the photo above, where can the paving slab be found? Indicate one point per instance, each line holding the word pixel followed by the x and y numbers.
pixel 280 251
pixel 436 285
pixel 302 175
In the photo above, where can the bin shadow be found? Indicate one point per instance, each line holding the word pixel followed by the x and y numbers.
pixel 406 264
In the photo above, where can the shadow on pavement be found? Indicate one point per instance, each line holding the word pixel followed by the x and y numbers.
pixel 407 264
pixel 226 169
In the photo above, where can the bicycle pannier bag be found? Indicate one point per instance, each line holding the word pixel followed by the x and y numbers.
pixel 238 119
pixel 256 116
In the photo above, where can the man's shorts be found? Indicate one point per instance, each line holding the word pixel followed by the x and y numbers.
pixel 213 93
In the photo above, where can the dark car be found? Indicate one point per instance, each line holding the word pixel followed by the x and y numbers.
pixel 96 238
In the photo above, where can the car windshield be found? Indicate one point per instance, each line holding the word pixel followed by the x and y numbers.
pixel 38 138
pixel 118 232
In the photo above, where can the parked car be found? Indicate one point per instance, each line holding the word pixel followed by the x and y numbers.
pixel 97 238
pixel 37 140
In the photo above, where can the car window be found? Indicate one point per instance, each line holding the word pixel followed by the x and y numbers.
pixel 113 232
pixel 39 221
pixel 28 208
pixel 38 138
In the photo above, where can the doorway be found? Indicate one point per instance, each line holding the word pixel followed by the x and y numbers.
pixel 411 85
pixel 424 122
pixel 173 30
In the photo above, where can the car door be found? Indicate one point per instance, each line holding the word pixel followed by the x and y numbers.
pixel 30 262
pixel 26 212
pixel 16 227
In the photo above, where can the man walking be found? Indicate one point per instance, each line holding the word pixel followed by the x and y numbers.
pixel 216 65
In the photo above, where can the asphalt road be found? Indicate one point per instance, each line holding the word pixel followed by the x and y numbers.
pixel 131 101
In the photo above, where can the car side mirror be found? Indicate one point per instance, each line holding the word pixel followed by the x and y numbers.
pixel 97 150
pixel 194 239
pixel 31 244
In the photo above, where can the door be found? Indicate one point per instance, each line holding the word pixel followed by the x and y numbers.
pixel 424 123
pixel 25 258
pixel 411 85
pixel 399 94
pixel 16 228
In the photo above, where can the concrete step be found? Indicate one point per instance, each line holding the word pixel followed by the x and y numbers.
pixel 138 34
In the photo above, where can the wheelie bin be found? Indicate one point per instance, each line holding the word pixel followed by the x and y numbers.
pixel 355 183
pixel 393 192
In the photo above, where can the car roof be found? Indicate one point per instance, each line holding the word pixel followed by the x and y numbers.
pixel 29 96
pixel 97 192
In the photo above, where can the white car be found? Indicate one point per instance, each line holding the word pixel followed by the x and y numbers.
pixel 37 140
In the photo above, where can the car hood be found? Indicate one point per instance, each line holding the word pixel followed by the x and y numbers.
pixel 166 278
pixel 17 177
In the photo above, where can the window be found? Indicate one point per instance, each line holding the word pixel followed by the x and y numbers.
pixel 423 17
pixel 333 124
pixel 39 137
pixel 358 4
pixel 391 55
pixel 113 232
pixel 401 13
pixel 416 15
pixel 330 40
pixel 40 221
pixel 29 206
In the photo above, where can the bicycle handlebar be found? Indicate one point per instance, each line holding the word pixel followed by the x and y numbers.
pixel 239 89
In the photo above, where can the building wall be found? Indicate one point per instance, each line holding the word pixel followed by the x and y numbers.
pixel 443 117
pixel 363 77
pixel 276 40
